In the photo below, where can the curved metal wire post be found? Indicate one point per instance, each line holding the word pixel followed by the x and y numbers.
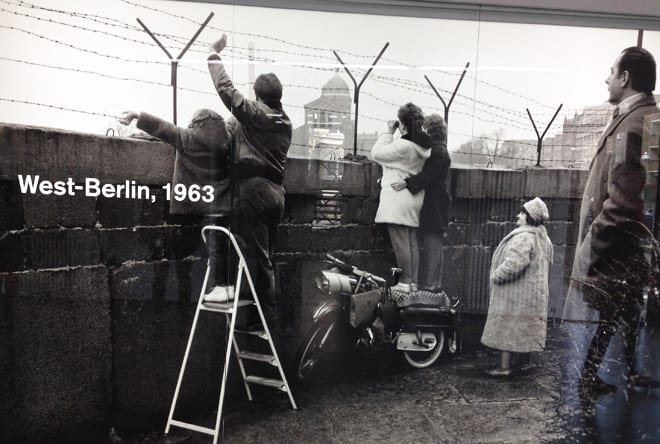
pixel 356 90
pixel 539 144
pixel 175 62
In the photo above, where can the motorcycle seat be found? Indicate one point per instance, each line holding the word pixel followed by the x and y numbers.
pixel 423 309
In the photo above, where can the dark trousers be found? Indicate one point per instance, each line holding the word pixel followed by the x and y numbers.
pixel 258 207
pixel 622 316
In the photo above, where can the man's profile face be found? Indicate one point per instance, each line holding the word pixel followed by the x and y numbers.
pixel 615 83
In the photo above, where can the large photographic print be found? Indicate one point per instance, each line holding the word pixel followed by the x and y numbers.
pixel 227 223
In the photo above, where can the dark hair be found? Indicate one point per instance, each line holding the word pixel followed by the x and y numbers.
pixel 412 117
pixel 435 127
pixel 530 220
pixel 640 64
pixel 268 88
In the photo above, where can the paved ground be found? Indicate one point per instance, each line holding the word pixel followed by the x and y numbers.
pixel 376 399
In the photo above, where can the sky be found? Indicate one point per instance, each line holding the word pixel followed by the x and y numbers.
pixel 78 63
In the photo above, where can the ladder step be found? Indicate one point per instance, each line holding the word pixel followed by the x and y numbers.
pixel 259 333
pixel 270 359
pixel 266 381
pixel 196 428
pixel 226 307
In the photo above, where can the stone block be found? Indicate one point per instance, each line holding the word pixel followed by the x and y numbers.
pixel 116 213
pixel 77 211
pixel 471 210
pixel 131 244
pixel 48 211
pixel 504 210
pixel 146 162
pixel 293 238
pixel 475 279
pixel 454 270
pixel 356 180
pixel 330 238
pixel 299 208
pixel 567 210
pixel 457 234
pixel 379 238
pixel 11 206
pixel 41 211
pixel 302 176
pixel 54 248
pixel 149 342
pixel 562 233
pixel 154 213
pixel 183 241
pixel 15 249
pixel 476 183
pixel 553 183
pixel 58 371
pixel 491 233
pixel 359 237
pixel 61 154
pixel 559 279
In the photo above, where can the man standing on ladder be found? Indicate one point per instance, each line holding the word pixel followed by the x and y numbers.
pixel 260 134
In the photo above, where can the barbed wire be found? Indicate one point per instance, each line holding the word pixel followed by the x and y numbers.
pixel 353 54
pixel 236 54
pixel 90 51
pixel 61 108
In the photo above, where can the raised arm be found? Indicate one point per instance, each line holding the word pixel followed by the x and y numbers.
pixel 248 112
pixel 157 127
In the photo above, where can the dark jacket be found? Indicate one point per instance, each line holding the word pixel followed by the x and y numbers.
pixel 434 179
pixel 611 241
pixel 201 160
pixel 260 132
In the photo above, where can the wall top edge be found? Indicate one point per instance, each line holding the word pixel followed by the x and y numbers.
pixel 589 14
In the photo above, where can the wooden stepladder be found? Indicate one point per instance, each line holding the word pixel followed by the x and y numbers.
pixel 230 310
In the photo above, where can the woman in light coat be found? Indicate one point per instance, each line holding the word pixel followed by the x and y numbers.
pixel 399 209
pixel 517 313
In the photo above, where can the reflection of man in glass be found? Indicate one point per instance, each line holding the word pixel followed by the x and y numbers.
pixel 260 133
pixel 608 269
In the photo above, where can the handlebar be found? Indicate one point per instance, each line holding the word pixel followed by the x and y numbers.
pixel 348 268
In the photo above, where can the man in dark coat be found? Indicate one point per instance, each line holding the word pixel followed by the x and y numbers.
pixel 610 262
pixel 261 134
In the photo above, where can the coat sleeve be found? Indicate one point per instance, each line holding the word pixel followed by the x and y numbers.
pixel 180 138
pixel 247 112
pixel 623 204
pixel 435 170
pixel 516 258
pixel 387 151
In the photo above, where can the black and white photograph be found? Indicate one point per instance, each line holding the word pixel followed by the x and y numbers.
pixel 292 221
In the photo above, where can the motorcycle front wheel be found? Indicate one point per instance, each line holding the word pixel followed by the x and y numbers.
pixel 424 359
pixel 311 351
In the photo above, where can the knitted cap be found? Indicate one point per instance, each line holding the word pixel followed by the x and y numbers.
pixel 203 114
pixel 537 210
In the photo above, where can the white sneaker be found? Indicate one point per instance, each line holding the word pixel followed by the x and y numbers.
pixel 220 294
pixel 401 287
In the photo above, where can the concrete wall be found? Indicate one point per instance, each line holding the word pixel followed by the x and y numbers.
pixel 97 294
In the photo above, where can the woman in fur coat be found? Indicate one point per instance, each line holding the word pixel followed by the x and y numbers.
pixel 518 309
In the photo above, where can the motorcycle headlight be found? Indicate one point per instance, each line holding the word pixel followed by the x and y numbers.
pixel 333 283
pixel 322 283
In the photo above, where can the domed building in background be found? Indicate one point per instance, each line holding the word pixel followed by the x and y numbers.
pixel 328 128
